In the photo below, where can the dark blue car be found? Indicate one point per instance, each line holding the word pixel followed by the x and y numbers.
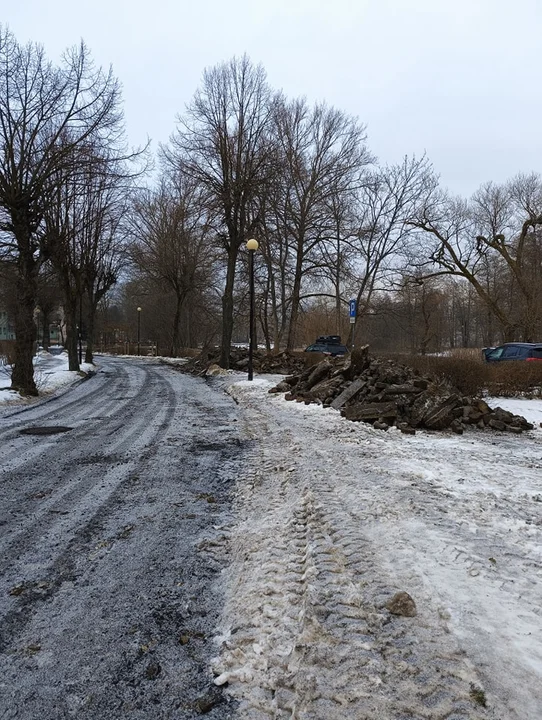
pixel 329 345
pixel 513 351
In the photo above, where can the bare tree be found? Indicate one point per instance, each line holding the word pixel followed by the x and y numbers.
pixel 388 199
pixel 323 153
pixel 222 142
pixel 171 237
pixel 45 113
pixel 63 225
pixel 83 237
pixel 276 253
pixel 508 218
pixel 339 257
pixel 49 299
pixel 102 242
pixel 493 241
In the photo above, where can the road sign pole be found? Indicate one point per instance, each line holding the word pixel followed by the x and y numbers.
pixel 353 313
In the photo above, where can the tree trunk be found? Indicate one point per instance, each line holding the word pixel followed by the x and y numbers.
pixel 264 318
pixel 176 326
pixel 91 317
pixel 227 309
pixel 46 331
pixel 271 299
pixel 22 378
pixel 70 312
pixel 508 333
pixel 338 288
pixel 530 322
pixel 294 313
pixel 188 334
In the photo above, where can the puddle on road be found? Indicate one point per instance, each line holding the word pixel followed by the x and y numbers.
pixel 45 430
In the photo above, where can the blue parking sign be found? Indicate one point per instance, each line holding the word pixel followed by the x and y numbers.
pixel 353 308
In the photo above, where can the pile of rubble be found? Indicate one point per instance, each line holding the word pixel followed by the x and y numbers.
pixel 283 363
pixel 383 393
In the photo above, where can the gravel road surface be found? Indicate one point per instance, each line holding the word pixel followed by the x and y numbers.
pixel 109 586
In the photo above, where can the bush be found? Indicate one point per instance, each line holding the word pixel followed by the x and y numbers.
pixel 508 379
pixel 465 374
pixel 472 377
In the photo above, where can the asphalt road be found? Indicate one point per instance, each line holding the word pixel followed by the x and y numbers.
pixel 112 543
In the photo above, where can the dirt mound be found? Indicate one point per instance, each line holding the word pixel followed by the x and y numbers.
pixel 384 393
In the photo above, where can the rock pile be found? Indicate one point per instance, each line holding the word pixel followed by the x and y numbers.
pixel 384 393
pixel 283 363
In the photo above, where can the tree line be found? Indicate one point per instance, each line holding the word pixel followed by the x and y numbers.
pixel 80 221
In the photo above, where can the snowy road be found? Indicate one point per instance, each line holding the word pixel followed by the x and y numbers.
pixel 108 593
pixel 334 519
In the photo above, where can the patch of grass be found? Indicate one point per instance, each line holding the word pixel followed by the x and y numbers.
pixel 477 695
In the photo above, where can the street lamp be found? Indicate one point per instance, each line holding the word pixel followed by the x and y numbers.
pixel 138 330
pixel 252 246
pixel 80 329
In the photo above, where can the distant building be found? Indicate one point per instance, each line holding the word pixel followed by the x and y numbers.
pixel 55 336
pixel 7 331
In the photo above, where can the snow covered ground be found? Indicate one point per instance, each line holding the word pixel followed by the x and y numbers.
pixel 50 374
pixel 333 518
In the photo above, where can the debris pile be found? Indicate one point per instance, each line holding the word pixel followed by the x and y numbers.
pixel 384 393
pixel 283 363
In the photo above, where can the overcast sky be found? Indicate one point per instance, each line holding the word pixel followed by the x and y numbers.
pixel 458 79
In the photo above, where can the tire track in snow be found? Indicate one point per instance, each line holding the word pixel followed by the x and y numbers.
pixel 81 450
pixel 67 412
pixel 98 636
pixel 306 634
pixel 86 500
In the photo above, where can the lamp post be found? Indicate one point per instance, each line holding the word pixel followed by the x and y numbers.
pixel 252 246
pixel 80 329
pixel 138 330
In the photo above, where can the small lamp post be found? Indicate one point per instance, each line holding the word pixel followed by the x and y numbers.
pixel 80 329
pixel 252 246
pixel 138 330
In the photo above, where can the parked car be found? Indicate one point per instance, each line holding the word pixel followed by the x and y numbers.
pixel 329 345
pixel 513 351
